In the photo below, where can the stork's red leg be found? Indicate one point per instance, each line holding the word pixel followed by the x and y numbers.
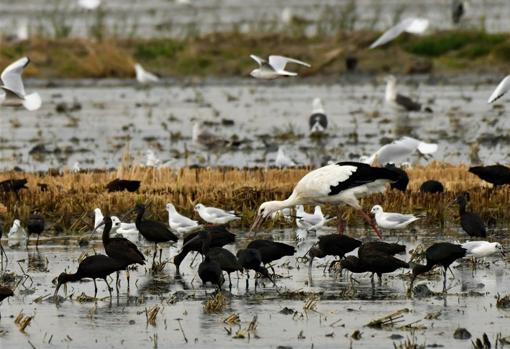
pixel 371 223
pixel 341 226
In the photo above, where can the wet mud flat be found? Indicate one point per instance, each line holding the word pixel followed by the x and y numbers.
pixel 96 123
pixel 337 313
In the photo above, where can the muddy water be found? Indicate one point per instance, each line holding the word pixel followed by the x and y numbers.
pixel 341 310
pixel 163 18
pixel 112 117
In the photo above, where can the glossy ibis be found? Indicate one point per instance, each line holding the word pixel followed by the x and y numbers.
pixel 441 254
pixel 94 267
pixel 392 220
pixel 35 225
pixel 215 215
pixel 271 251
pixel 13 185
pixel 341 183
pixel 376 263
pixel 227 260
pixel 470 222
pixel 120 249
pixel 431 186
pixel 210 271
pixel 250 259
pixel 123 184
pixel 213 236
pixel 4 293
pixel 380 247
pixel 153 231
pixel 494 174
pixel 332 245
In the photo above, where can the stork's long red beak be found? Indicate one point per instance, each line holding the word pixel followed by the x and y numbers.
pixel 259 220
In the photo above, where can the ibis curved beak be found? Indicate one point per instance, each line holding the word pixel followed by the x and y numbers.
pixel 196 238
pixel 55 295
pixel 503 253
pixel 98 226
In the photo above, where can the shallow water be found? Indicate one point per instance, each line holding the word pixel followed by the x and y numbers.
pixel 342 309
pixel 118 116
pixel 164 18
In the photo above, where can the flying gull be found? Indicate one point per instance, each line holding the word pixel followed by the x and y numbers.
pixel 13 91
pixel 274 67
pixel 412 25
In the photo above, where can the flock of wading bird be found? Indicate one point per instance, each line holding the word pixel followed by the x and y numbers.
pixel 343 183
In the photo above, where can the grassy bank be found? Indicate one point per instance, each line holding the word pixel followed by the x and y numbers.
pixel 227 55
pixel 71 197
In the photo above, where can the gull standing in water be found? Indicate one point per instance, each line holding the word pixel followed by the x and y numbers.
pixel 479 249
pixel 215 215
pixel 180 223
pixel 310 221
pixel 336 184
pixel 274 67
pixel 17 235
pixel 13 92
pixel 396 99
pixel 282 159
pixel 412 25
pixel 390 220
pixel 318 120
pixel 127 230
pixel 143 76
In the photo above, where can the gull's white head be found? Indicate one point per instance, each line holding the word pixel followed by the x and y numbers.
pixel 16 224
pixel 170 207
pixel 376 209
pixel 317 106
pixel 498 247
pixel 199 207
pixel 317 211
pixel 115 224
pixel 256 73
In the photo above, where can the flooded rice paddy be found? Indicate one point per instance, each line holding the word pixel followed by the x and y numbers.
pixel 96 122
pixel 340 309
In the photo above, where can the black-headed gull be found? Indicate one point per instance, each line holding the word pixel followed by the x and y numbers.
pixel 342 183
pixel 127 230
pixel 13 90
pixel 502 88
pixel 481 249
pixel 390 220
pixel 215 215
pixel 401 148
pixel 274 67
pixel 180 223
pixel 318 121
pixel 310 221
pixel 143 76
pixel 412 25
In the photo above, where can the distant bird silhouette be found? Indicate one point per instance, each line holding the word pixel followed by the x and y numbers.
pixel 441 254
pixel 13 185
pixel 214 236
pixel 4 293
pixel 94 267
pixel 458 10
pixel 332 245
pixel 494 174
pixel 123 184
pixel 210 271
pixel 271 251
pixel 250 259
pixel 120 249
pixel 431 186
pixel 402 182
pixel 470 222
pixel 35 225
pixel 318 121
pixel 153 231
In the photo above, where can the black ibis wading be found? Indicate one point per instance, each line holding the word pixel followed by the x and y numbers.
pixel 35 225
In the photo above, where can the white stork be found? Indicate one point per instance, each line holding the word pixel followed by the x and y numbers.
pixel 341 183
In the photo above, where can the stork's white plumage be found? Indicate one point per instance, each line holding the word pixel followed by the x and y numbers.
pixel 410 25
pixel 391 220
pixel 274 67
pixel 481 249
pixel 13 90
pixel 502 88
pixel 341 183
pixel 401 148
pixel 215 215
pixel 180 223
